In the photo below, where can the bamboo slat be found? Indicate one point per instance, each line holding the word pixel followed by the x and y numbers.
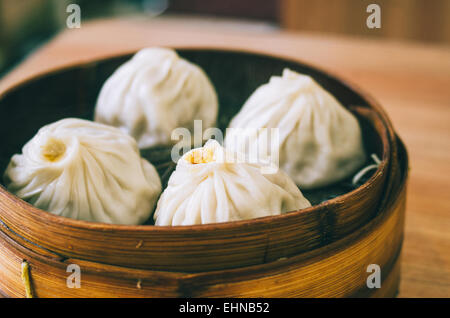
pixel 322 251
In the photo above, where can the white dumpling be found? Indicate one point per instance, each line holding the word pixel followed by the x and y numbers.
pixel 86 171
pixel 210 185
pixel 320 141
pixel 154 93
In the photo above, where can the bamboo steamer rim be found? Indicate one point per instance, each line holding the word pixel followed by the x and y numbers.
pixel 217 283
pixel 46 216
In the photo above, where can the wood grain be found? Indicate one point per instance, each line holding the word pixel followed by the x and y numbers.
pixel 411 81
pixel 400 19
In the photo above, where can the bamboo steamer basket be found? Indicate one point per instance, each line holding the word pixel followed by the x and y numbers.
pixel 322 251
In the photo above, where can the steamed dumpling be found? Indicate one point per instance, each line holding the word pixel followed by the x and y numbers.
pixel 320 141
pixel 154 93
pixel 85 171
pixel 211 185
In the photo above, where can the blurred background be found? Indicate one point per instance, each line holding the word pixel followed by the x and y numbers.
pixel 26 24
pixel 405 65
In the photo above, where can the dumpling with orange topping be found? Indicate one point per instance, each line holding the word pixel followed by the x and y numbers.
pixel 86 171
pixel 211 184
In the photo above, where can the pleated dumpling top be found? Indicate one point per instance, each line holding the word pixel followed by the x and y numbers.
pixel 86 171
pixel 211 184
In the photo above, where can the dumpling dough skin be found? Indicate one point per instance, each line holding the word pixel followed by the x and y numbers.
pixel 320 141
pixel 208 187
pixel 86 171
pixel 154 93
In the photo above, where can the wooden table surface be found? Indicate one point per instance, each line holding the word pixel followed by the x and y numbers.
pixel 411 81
